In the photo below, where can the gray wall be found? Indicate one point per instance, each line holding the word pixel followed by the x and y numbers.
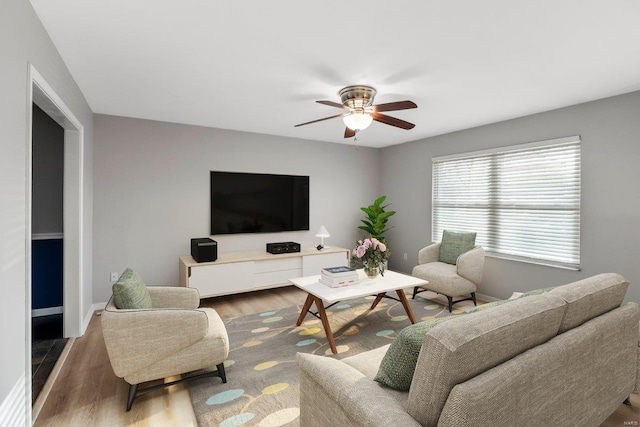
pixel 23 40
pixel 610 204
pixel 48 168
pixel 152 192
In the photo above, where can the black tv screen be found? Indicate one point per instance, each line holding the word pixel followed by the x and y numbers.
pixel 258 203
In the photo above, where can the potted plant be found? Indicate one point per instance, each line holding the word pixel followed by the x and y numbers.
pixel 375 223
pixel 372 253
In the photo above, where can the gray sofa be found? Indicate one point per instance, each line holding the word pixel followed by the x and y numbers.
pixel 570 356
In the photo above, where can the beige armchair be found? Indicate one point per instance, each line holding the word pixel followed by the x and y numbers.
pixel 171 338
pixel 448 279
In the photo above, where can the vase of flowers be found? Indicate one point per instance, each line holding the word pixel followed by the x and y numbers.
pixel 373 254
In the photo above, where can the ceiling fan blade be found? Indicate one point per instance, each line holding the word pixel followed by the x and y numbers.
pixel 319 120
pixel 388 120
pixel 394 106
pixel 349 133
pixel 332 104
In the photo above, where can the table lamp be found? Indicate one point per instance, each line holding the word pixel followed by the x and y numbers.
pixel 322 233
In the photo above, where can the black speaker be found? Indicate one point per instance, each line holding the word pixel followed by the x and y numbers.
pixel 204 249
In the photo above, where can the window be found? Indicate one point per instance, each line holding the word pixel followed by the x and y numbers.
pixel 523 201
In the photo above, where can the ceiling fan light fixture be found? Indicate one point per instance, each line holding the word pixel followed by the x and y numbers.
pixel 357 120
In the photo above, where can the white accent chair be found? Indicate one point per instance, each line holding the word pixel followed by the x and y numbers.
pixel 173 337
pixel 447 279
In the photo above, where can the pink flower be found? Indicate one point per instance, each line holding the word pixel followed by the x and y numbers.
pixel 360 251
pixel 382 247
pixel 367 243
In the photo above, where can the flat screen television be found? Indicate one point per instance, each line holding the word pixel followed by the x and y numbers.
pixel 258 203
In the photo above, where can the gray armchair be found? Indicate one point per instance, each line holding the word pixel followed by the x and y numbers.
pixel 171 338
pixel 447 279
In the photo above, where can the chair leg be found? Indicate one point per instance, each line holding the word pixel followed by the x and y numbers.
pixel 415 291
pixel 221 372
pixel 133 390
pixel 473 297
pixel 450 299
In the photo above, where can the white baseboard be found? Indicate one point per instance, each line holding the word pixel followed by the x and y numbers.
pixel 39 312
pixel 13 412
pixel 94 307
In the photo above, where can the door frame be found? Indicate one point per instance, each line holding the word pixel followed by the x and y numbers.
pixel 43 95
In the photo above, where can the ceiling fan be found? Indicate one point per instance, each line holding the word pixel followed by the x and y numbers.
pixel 358 101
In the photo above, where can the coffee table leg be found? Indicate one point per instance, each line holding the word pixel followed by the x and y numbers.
pixel 325 324
pixel 377 300
pixel 405 304
pixel 305 309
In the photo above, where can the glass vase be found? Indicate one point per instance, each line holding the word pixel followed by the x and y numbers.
pixel 371 270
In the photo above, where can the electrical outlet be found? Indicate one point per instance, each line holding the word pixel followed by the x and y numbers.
pixel 405 256
pixel 115 276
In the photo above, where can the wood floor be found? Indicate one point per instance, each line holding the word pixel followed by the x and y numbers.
pixel 86 392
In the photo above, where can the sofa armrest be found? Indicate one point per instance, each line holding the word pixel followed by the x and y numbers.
pixel 138 338
pixel 430 253
pixel 173 297
pixel 331 391
pixel 470 265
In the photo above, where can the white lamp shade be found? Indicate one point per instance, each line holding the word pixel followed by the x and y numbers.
pixel 357 121
pixel 322 232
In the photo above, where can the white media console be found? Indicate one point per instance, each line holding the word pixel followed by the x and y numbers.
pixel 239 272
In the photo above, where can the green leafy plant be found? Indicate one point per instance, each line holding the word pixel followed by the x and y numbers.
pixel 375 224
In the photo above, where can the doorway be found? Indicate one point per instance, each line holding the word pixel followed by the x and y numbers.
pixel 47 236
pixel 44 97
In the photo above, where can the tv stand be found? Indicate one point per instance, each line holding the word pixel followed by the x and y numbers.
pixel 239 272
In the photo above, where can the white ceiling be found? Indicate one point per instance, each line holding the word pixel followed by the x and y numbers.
pixel 258 66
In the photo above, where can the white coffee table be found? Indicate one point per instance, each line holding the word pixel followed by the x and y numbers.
pixel 320 294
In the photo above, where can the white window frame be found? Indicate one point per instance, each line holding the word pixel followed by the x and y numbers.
pixel 484 205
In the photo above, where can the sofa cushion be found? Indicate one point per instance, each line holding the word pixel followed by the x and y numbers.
pixel 576 378
pixel 399 362
pixel 590 298
pixel 443 279
pixel 130 292
pixel 367 362
pixel 462 349
pixel 453 244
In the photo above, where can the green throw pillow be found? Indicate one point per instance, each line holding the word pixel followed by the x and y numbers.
pixel 130 292
pixel 399 363
pixel 453 244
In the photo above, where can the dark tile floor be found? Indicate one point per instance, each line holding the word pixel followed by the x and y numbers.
pixel 46 346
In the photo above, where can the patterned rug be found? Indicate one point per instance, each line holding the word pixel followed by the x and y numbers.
pixel 263 382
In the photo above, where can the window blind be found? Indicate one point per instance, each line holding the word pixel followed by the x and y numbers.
pixel 522 201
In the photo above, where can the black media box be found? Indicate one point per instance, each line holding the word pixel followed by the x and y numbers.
pixel 283 247
pixel 204 249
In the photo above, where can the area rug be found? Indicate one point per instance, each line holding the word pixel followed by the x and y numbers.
pixel 263 384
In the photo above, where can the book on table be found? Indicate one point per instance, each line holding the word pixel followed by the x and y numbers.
pixel 339 276
pixel 336 283
pixel 341 271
